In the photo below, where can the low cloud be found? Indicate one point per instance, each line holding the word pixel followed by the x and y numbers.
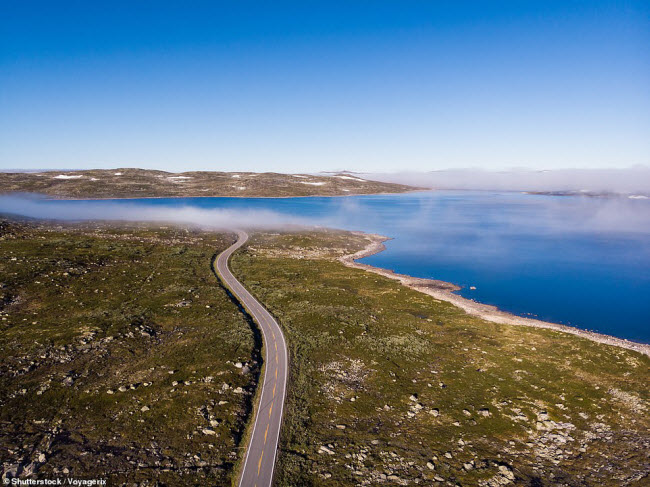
pixel 212 218
pixel 635 180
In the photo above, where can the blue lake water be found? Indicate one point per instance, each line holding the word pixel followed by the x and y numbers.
pixel 578 261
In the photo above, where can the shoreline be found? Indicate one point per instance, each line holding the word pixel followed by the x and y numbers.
pixel 121 198
pixel 444 291
pixel 50 197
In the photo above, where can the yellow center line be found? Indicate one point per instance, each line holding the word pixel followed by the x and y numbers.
pixel 266 433
pixel 274 386
pixel 276 373
pixel 276 346
pixel 259 464
pixel 270 409
pixel 276 358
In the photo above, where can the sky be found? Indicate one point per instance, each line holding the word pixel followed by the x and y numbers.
pixel 370 86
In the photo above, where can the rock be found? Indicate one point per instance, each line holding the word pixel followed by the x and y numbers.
pixel 413 397
pixel 375 442
pixel 208 431
pixel 122 388
pixel 506 472
pixel 324 449
pixel 110 391
pixel 485 412
pixel 466 412
pixel 434 412
pixel 431 466
pixel 448 455
pixel 144 409
pixel 340 426
pixel 12 472
pixel 238 390
pixel 239 365
pixel 468 466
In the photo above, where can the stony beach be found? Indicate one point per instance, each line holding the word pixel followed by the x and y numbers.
pixel 444 291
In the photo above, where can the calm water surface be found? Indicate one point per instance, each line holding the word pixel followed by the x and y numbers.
pixel 578 261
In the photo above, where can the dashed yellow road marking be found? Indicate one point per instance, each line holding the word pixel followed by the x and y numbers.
pixel 266 433
pixel 276 358
pixel 276 373
pixel 276 346
pixel 274 386
pixel 259 464
pixel 270 409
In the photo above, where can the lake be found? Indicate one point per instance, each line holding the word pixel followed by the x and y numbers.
pixel 574 260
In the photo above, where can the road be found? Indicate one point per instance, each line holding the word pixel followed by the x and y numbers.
pixel 263 445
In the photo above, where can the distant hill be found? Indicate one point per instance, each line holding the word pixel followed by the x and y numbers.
pixel 142 183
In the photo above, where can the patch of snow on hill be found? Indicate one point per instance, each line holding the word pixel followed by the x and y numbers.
pixel 65 176
pixel 351 178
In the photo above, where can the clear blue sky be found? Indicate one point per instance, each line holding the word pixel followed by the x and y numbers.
pixel 309 86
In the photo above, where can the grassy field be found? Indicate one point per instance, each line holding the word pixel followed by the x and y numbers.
pixel 120 356
pixel 141 183
pixel 390 387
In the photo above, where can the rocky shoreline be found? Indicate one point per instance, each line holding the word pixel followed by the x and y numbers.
pixel 445 291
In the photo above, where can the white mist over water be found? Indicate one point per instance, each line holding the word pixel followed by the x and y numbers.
pixel 33 206
pixel 634 180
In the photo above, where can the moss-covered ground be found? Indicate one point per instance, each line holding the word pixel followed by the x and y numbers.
pixel 120 356
pixel 389 386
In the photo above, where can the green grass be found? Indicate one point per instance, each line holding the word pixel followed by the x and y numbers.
pixel 362 345
pixel 87 310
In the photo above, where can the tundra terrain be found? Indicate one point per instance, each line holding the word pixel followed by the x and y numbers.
pixel 143 183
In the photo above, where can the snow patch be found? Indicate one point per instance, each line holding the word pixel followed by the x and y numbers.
pixel 117 174
pixel 298 176
pixel 313 184
pixel 235 176
pixel 638 197
pixel 351 178
pixel 65 176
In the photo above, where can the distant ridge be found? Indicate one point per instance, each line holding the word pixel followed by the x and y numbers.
pixel 147 183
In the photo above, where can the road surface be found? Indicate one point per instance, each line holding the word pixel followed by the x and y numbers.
pixel 263 446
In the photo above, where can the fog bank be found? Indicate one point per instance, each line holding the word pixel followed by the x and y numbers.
pixel 210 218
pixel 634 180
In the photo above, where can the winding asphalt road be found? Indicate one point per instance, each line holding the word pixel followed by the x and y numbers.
pixel 263 446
